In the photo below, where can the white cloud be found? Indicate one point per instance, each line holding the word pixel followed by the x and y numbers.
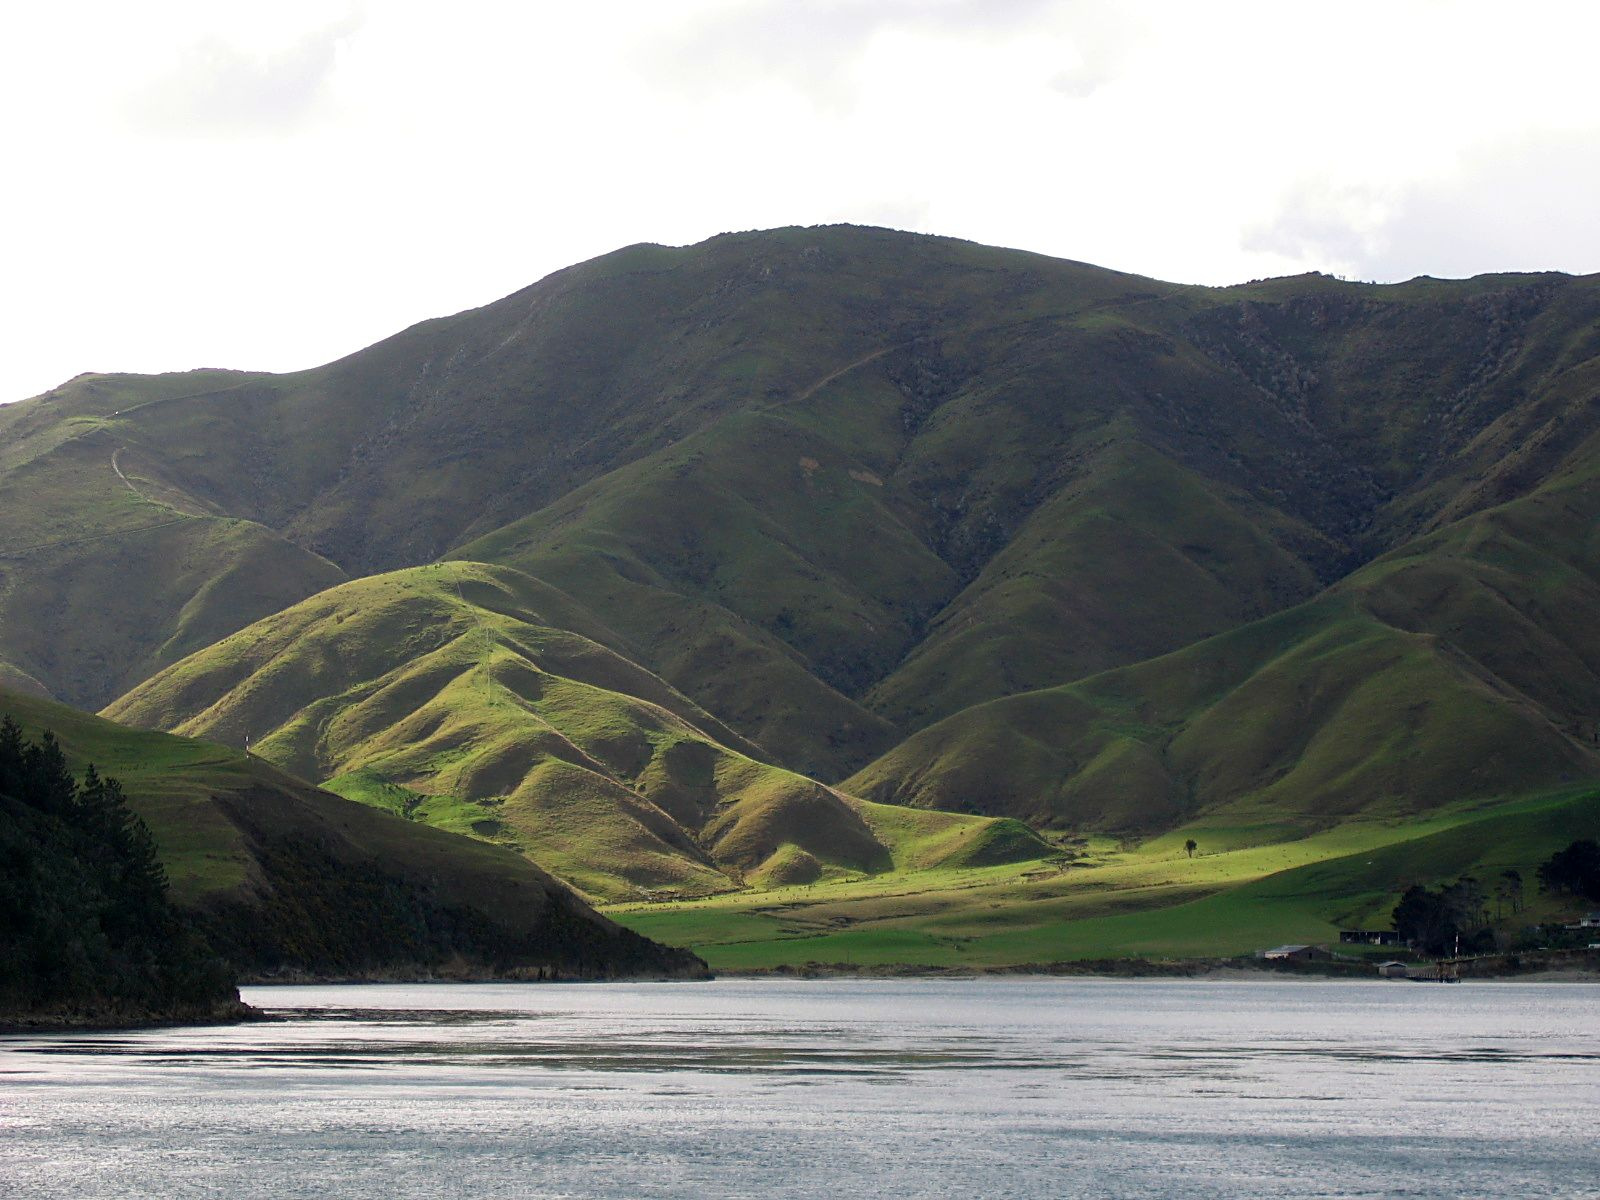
pixel 1514 204
pixel 218 87
pixel 272 185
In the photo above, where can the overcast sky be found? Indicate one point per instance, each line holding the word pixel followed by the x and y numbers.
pixel 272 185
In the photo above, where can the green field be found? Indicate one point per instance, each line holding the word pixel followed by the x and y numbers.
pixel 1111 901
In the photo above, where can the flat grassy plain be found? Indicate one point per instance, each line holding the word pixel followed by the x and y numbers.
pixel 1103 899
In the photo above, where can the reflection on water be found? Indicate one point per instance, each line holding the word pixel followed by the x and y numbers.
pixel 905 1088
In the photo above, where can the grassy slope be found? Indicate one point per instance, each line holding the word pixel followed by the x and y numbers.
pixel 702 551
pixel 1138 558
pixel 484 702
pixel 458 425
pixel 221 820
pixel 823 545
pixel 1116 901
pixel 106 578
pixel 1464 664
pixel 1074 484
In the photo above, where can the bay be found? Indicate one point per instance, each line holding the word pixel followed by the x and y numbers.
pixel 987 1087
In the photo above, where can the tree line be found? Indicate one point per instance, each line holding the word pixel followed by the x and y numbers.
pixel 86 927
pixel 1457 915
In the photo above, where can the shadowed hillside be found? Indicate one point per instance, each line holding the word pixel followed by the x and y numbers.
pixel 281 877
pixel 1465 665
pixel 87 933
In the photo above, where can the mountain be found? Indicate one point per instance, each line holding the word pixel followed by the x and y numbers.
pixel 482 701
pixel 279 877
pixel 860 516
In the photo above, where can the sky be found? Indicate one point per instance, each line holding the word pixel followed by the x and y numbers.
pixel 274 185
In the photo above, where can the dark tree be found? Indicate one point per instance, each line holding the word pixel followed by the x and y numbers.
pixel 46 779
pixel 1468 903
pixel 1416 917
pixel 10 757
pixel 1438 921
pixel 1513 884
pixel 1191 846
pixel 1508 890
pixel 1575 869
pixel 86 929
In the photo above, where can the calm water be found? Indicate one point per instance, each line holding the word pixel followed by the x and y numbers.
pixel 883 1089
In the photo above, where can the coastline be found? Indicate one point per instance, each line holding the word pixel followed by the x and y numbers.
pixel 1561 966
pixel 104 1020
pixel 467 975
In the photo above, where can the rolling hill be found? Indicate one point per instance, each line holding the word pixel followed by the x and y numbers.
pixel 482 701
pixel 1118 900
pixel 832 484
pixel 108 571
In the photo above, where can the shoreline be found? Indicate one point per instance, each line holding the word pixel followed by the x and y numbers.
pixel 1551 966
pixel 1570 968
pixel 1217 976
pixel 1573 967
pixel 314 979
pixel 234 1013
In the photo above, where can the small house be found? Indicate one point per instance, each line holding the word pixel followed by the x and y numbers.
pixel 1393 970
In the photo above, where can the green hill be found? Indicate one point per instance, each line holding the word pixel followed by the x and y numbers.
pixel 1082 482
pixel 110 570
pixel 482 701
pixel 280 877
pixel 1465 665
pixel 831 484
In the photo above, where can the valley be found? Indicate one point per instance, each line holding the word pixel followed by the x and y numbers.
pixel 1246 889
